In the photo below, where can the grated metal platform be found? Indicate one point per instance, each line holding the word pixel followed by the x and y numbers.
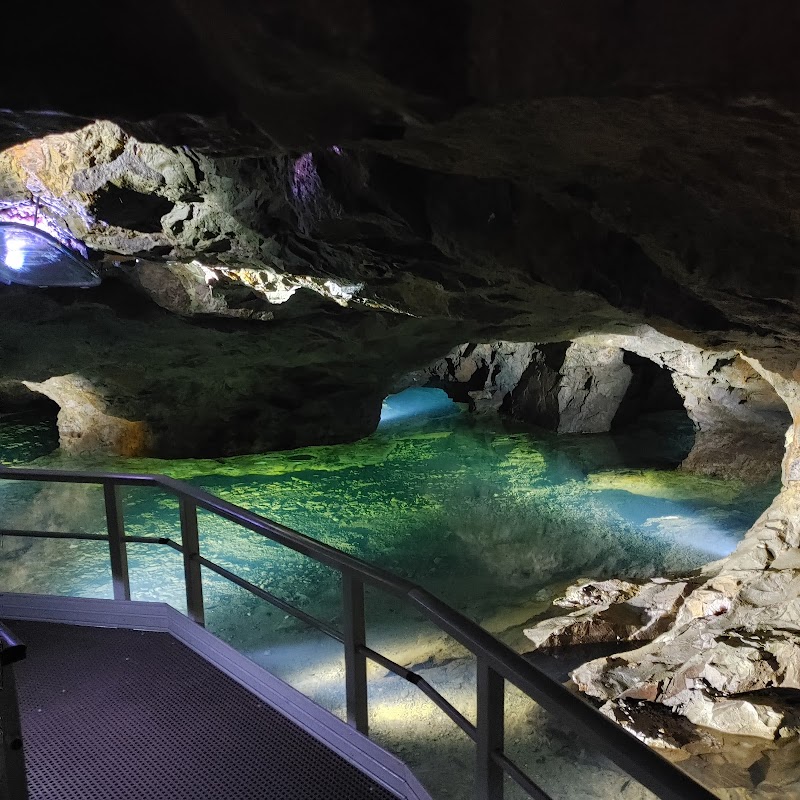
pixel 116 714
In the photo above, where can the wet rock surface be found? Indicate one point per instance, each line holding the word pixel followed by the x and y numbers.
pixel 612 611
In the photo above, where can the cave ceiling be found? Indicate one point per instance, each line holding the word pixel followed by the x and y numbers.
pixel 335 193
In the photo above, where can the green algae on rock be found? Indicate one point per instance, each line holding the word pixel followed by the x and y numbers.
pixel 672 485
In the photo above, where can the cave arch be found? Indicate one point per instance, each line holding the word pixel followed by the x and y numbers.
pixel 651 389
pixel 597 383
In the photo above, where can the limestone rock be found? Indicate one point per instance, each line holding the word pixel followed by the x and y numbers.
pixel 483 375
pixel 593 593
pixel 738 717
pixel 579 387
pixel 741 420
pixel 609 611
pixel 735 639
pixel 593 382
pixel 84 426
pixel 206 386
pixel 568 387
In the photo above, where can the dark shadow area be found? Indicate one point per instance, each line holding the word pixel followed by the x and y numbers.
pixel 651 389
pixel 130 209
pixel 138 78
pixel 18 402
pixel 28 428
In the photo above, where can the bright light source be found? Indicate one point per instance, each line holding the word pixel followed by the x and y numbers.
pixel 15 258
pixel 31 257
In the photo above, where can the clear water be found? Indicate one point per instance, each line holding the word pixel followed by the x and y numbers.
pixel 493 516
pixel 480 510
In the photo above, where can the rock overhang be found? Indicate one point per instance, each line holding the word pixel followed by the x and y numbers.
pixel 474 184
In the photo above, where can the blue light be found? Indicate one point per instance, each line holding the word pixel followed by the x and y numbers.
pixel 31 257
pixel 415 403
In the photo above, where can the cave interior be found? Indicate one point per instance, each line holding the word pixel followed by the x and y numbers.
pixel 544 248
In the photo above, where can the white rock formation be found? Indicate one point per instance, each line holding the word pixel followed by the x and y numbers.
pixel 611 611
pixel 735 642
pixel 578 386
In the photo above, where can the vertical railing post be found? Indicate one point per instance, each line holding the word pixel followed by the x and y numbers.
pixel 355 663
pixel 490 728
pixel 191 561
pixel 13 784
pixel 117 548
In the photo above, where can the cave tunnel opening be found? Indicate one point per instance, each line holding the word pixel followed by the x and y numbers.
pixel 650 390
pixel 24 402
pixel 417 403
pixel 651 420
pixel 28 427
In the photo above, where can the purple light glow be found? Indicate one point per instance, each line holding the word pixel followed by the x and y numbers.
pixel 336 149
pixel 305 180
pixel 25 214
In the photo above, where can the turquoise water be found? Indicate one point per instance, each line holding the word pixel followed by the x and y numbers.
pixel 482 511
pixel 493 516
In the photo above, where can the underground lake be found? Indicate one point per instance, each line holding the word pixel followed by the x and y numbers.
pixel 494 516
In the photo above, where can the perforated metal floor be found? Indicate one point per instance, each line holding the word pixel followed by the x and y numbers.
pixel 113 714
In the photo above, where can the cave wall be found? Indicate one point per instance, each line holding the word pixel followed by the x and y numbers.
pixel 730 659
pixel 331 246
pixel 739 417
pixel 209 388
pixel 722 646
pixel 568 387
pixel 579 387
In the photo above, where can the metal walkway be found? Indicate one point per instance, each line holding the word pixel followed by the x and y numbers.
pixel 496 664
pixel 115 714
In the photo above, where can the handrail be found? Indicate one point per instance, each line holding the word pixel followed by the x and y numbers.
pixel 303 544
pixel 496 661
pixel 13 783
pixel 12 649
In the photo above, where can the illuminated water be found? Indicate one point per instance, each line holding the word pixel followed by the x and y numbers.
pixel 492 516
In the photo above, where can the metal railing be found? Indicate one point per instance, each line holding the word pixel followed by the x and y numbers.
pixel 12 758
pixel 496 662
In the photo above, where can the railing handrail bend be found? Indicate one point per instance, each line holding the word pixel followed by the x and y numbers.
pixel 637 759
pixel 12 649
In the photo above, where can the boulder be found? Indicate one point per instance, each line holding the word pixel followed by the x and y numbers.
pixel 611 611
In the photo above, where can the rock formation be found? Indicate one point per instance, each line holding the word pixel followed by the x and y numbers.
pixel 83 424
pixel 733 645
pixel 568 387
pixel 580 387
pixel 723 653
pixel 266 241
pixel 612 611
